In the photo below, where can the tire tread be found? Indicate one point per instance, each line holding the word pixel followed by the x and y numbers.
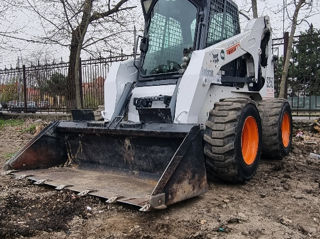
pixel 219 139
pixel 270 111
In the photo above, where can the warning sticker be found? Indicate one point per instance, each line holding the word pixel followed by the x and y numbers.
pixel 232 49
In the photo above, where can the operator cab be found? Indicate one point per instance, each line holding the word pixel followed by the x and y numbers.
pixel 174 28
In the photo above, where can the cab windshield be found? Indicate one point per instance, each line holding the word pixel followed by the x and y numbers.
pixel 171 30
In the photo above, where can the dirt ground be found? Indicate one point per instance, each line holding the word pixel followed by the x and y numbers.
pixel 281 201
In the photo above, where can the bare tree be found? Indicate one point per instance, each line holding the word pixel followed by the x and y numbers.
pixel 254 8
pixel 298 5
pixel 83 25
pixel 249 9
pixel 5 7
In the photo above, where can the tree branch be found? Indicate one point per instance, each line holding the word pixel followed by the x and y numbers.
pixel 243 14
pixel 66 14
pixel 86 44
pixel 96 15
pixel 43 17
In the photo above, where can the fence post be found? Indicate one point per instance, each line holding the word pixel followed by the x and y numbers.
pixel 310 106
pixel 298 103
pixel 24 87
pixel 80 83
pixel 285 47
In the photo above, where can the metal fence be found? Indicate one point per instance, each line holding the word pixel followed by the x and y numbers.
pixel 303 103
pixel 46 87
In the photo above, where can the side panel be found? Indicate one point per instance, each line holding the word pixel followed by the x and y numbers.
pixel 191 91
pixel 214 94
pixel 120 73
pixel 251 43
pixel 204 72
pixel 267 90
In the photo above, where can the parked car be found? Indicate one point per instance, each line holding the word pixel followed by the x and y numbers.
pixel 19 107
pixel 31 104
pixel 16 106
pixel 43 104
pixel 4 105
pixel 12 103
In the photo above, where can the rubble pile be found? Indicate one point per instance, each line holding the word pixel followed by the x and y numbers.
pixel 316 126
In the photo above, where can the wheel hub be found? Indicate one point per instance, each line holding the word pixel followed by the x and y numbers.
pixel 249 140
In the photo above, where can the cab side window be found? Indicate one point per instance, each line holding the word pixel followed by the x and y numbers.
pixel 223 22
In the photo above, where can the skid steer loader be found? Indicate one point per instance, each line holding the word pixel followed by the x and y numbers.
pixel 198 102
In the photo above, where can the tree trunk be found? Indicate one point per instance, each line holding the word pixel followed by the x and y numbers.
pixel 71 96
pixel 254 8
pixel 78 36
pixel 284 75
pixel 73 71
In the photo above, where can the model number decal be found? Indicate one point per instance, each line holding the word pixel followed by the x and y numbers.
pixel 206 72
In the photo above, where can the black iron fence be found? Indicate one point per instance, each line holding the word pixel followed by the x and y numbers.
pixel 303 97
pixel 303 105
pixel 46 87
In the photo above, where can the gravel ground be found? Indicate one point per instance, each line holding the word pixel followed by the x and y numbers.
pixel 281 201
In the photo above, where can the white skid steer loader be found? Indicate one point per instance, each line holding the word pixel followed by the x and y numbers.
pixel 198 102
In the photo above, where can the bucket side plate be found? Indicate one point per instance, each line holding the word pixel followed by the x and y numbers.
pixel 45 150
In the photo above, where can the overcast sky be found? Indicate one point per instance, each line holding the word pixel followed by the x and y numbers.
pixel 31 27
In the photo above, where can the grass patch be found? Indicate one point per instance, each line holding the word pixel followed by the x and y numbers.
pixel 10 122
pixel 31 129
pixel 8 156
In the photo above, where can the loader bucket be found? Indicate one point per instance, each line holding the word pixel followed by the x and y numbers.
pixel 150 167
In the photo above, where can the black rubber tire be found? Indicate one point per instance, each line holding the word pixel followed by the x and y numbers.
pixel 222 140
pixel 272 111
